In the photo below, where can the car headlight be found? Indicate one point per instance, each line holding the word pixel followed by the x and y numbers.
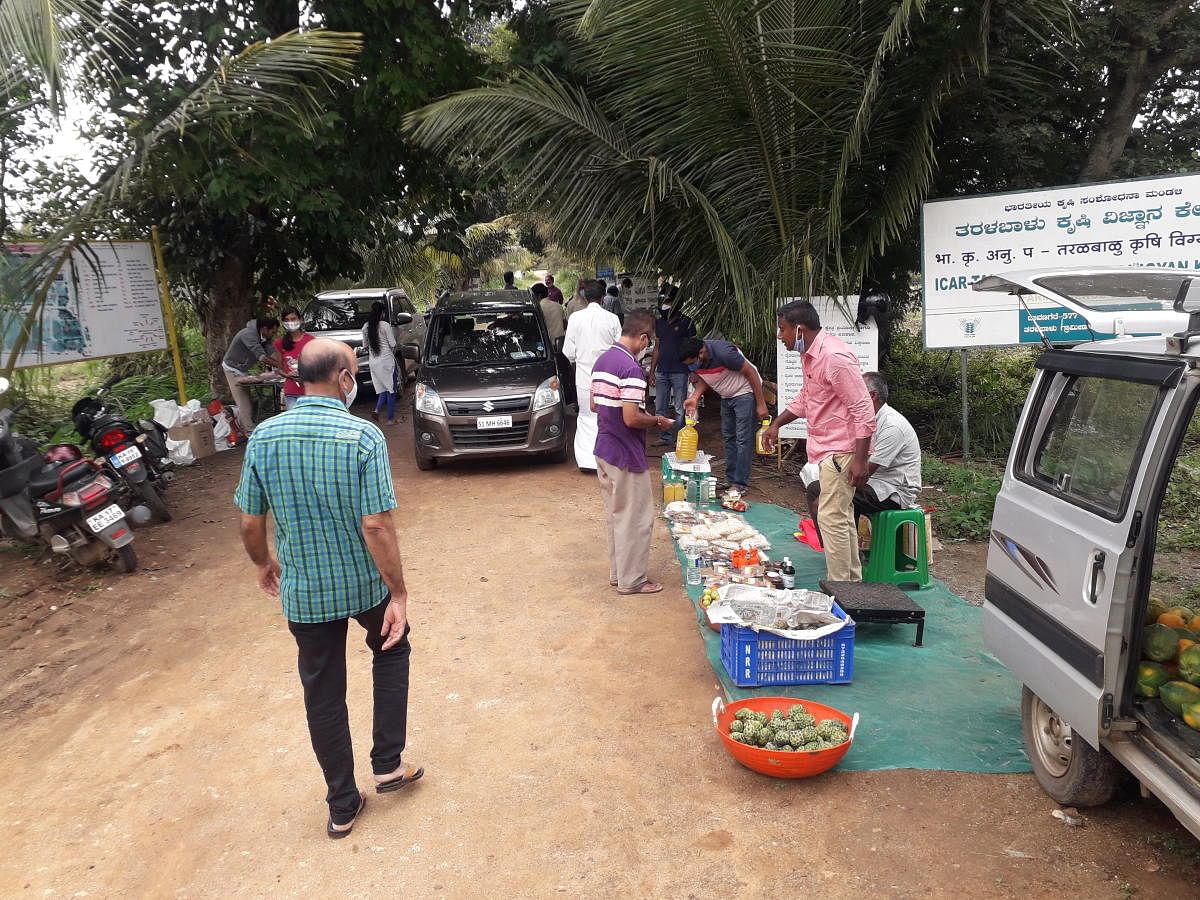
pixel 547 394
pixel 429 401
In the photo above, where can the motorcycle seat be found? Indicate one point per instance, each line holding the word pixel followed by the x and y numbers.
pixel 45 480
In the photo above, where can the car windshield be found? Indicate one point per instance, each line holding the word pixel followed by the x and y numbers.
pixel 1132 290
pixel 463 339
pixel 338 313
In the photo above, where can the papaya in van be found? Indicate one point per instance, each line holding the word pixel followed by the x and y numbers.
pixel 1189 664
pixel 1159 643
pixel 1172 619
pixel 1176 693
pixel 1150 677
pixel 1184 612
pixel 1154 609
pixel 1191 715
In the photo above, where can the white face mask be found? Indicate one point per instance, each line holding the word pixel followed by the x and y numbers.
pixel 292 326
pixel 349 401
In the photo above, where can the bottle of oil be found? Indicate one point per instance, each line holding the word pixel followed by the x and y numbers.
pixel 758 438
pixel 688 441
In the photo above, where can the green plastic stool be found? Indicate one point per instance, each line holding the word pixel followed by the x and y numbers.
pixel 887 562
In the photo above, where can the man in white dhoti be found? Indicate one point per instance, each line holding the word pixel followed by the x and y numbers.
pixel 590 332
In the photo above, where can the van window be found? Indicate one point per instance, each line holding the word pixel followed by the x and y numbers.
pixel 1089 447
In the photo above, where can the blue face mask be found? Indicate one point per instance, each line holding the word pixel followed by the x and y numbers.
pixel 799 345
pixel 694 367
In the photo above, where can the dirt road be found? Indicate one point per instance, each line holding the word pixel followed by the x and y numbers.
pixel 154 741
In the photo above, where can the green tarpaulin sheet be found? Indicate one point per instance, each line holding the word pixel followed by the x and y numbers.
pixel 947 705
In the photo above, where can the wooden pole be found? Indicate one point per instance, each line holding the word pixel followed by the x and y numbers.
pixel 164 293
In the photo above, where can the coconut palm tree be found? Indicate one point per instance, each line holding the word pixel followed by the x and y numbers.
pixel 758 149
pixel 288 78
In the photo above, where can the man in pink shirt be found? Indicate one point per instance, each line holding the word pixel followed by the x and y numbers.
pixel 841 420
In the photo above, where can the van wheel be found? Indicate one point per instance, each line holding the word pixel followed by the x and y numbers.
pixel 426 463
pixel 558 456
pixel 1066 766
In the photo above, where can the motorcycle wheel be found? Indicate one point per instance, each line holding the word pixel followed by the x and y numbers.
pixel 150 497
pixel 127 560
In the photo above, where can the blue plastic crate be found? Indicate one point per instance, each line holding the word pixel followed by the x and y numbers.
pixel 754 659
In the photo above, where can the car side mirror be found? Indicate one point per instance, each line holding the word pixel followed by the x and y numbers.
pixel 411 351
pixel 402 318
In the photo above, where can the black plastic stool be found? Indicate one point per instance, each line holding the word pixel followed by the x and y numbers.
pixel 885 604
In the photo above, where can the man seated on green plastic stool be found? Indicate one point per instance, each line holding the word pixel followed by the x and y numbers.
pixel 894 464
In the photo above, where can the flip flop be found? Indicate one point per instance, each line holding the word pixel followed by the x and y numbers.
pixel 396 783
pixel 338 833
pixel 649 587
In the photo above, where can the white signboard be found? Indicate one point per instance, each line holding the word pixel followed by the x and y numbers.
pixel 104 302
pixel 863 340
pixel 643 294
pixel 1151 222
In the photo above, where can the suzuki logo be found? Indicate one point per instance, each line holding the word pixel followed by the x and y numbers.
pixel 488 405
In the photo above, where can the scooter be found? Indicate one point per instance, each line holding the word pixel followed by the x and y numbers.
pixel 136 456
pixel 68 506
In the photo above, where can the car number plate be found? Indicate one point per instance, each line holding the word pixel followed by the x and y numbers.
pixel 484 422
pixel 107 516
pixel 128 455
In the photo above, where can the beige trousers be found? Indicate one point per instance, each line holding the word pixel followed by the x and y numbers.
pixel 835 515
pixel 629 511
pixel 241 398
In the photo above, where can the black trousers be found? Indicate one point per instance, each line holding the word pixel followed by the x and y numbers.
pixel 322 664
pixel 865 503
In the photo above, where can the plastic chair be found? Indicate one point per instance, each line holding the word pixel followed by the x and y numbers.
pixel 887 562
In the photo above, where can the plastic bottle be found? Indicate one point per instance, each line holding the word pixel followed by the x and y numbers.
pixel 688 441
pixel 758 438
pixel 788 571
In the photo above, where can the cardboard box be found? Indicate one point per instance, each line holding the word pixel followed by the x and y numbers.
pixel 199 435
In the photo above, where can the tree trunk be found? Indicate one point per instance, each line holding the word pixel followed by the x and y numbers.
pixel 1127 92
pixel 230 306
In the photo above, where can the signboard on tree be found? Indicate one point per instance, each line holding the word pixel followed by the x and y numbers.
pixel 1152 222
pixel 863 340
pixel 104 302
pixel 643 294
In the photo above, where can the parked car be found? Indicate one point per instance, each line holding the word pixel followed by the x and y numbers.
pixel 342 314
pixel 488 384
pixel 1075 531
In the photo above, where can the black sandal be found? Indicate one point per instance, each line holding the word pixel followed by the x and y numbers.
pixel 339 833
pixel 396 783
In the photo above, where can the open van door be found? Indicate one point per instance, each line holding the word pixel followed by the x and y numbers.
pixel 1066 526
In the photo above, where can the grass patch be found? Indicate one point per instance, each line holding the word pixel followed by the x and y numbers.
pixel 1184 848
pixel 966 498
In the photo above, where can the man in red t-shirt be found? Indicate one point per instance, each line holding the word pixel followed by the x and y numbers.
pixel 552 292
pixel 288 347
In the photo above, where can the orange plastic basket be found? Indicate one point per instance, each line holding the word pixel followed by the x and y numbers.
pixel 781 763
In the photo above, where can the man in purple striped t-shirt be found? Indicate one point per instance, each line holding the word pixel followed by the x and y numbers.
pixel 619 400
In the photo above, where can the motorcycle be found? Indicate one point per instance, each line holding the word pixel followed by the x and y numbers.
pixel 67 505
pixel 136 456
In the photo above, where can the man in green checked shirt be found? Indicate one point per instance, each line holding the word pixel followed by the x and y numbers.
pixel 324 476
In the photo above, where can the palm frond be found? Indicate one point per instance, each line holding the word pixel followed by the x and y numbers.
pixel 38 37
pixel 287 78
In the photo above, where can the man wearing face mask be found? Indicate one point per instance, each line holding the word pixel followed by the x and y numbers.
pixel 619 401
pixel 324 476
pixel 841 421
pixel 668 375
pixel 720 365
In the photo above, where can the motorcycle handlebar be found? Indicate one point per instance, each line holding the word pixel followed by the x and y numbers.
pixel 111 381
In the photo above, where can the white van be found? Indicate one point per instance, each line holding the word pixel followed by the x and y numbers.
pixel 1075 533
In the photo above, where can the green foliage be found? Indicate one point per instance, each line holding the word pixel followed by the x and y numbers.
pixel 967 496
pixel 752 150
pixel 925 387
pixel 1178 525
